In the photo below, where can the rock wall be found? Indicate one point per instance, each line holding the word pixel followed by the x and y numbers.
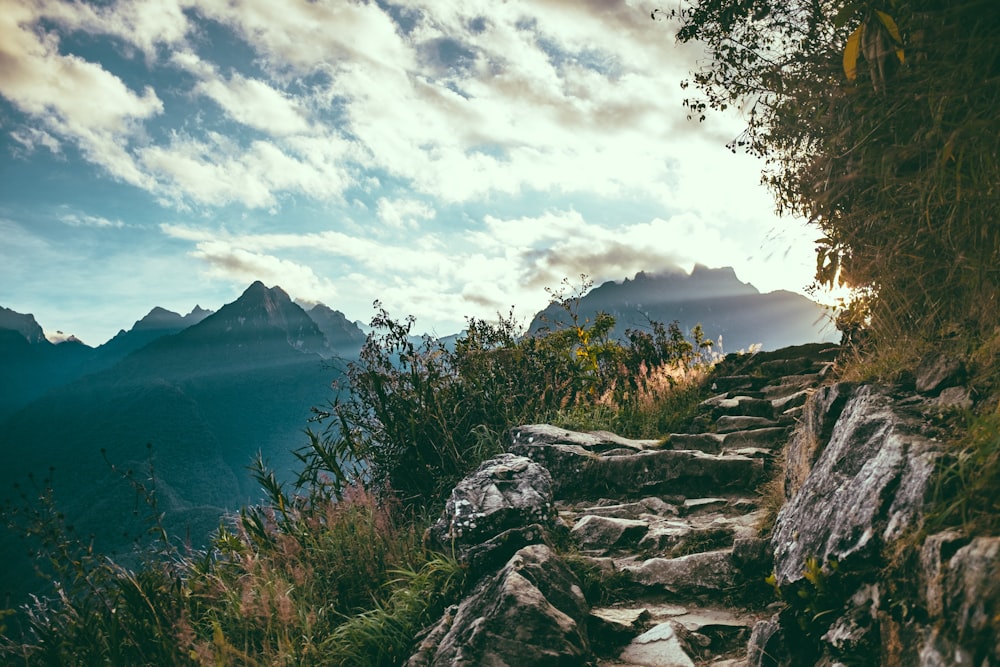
pixel 862 581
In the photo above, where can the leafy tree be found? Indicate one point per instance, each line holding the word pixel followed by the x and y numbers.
pixel 877 122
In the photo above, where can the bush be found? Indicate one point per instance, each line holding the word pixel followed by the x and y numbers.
pixel 420 414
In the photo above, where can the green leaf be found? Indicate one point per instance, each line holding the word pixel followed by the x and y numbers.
pixel 851 52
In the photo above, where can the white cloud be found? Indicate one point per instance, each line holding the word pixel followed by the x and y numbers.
pixel 31 139
pixel 74 98
pixel 77 220
pixel 401 213
pixel 243 267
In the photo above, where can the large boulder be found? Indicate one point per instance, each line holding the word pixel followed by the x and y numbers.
pixel 531 612
pixel 504 505
pixel 868 485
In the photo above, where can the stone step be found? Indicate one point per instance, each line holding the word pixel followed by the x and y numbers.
pixel 700 524
pixel 738 382
pixel 701 575
pixel 637 634
pixel 730 423
pixel 702 442
pixel 579 473
pixel 762 438
pixel 738 406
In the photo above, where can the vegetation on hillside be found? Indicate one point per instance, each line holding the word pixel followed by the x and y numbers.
pixel 331 569
pixel 877 122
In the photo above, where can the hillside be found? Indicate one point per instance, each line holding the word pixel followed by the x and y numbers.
pixel 197 403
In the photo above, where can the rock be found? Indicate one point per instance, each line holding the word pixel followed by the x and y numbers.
pixel 855 632
pixel 792 366
pixel 935 552
pixel 658 647
pixel 579 474
pixel 767 646
pixel 504 504
pixel 697 574
pixel 868 485
pixel 663 537
pixel 694 505
pixel 703 442
pixel 731 382
pixel 938 371
pixel 817 422
pixel 600 532
pixel 761 438
pixel 744 407
pixel 532 612
pixel 593 441
pixel 629 510
pixel 752 556
pixel 972 599
pixel 954 398
pixel 730 423
pixel 608 629
pixel 793 401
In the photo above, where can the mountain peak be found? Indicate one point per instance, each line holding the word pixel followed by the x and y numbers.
pixel 158 318
pixel 24 324
pixel 263 312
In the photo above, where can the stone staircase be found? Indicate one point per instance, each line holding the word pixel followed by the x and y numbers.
pixel 671 527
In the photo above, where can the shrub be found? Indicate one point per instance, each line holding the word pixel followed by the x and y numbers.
pixel 420 414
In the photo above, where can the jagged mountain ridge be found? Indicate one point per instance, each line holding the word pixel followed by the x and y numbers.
pixel 714 298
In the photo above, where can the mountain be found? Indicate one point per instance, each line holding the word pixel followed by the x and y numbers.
pixel 344 337
pixel 30 364
pixel 714 298
pixel 157 323
pixel 25 325
pixel 196 404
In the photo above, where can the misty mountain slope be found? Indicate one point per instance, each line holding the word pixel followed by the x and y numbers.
pixel 206 399
pixel 714 298
pixel 30 365
pixel 157 323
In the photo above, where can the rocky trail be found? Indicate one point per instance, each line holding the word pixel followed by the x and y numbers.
pixel 666 532
pixel 675 524
pixel 592 549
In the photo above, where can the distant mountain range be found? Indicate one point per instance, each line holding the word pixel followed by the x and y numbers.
pixel 198 395
pixel 205 391
pixel 715 298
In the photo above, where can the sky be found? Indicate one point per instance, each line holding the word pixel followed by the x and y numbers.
pixel 448 158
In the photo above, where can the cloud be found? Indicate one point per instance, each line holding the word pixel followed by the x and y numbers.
pixel 243 267
pixel 31 139
pixel 74 98
pixel 77 220
pixel 143 24
pixel 400 213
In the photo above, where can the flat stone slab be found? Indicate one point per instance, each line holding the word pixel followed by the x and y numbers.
pixel 765 438
pixel 579 474
pixel 696 574
pixel 593 441
pixel 730 423
pixel 601 532
pixel 657 647
pixel 702 442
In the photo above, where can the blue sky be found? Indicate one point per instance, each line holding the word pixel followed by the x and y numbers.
pixel 447 158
